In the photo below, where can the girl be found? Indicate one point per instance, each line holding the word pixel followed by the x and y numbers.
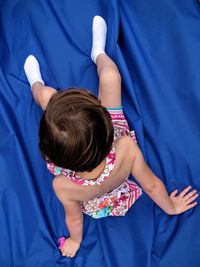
pixel 88 146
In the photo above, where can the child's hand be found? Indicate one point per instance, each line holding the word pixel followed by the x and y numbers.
pixel 184 201
pixel 69 248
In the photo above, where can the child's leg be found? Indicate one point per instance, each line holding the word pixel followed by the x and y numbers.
pixel 41 93
pixel 109 82
pixel 109 77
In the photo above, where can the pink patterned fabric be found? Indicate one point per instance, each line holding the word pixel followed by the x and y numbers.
pixel 118 201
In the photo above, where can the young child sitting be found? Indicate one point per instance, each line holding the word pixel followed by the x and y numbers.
pixel 88 146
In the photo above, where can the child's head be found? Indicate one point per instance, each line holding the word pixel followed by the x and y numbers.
pixel 76 132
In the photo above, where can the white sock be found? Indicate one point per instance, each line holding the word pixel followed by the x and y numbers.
pixel 99 30
pixel 32 70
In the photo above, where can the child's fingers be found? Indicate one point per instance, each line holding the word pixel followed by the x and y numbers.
pixel 191 199
pixel 185 191
pixel 67 253
pixel 64 253
pixel 189 195
pixel 70 255
pixel 191 205
pixel 173 194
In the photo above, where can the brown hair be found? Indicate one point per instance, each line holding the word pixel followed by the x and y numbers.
pixel 76 131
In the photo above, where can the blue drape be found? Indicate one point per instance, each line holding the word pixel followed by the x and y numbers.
pixel 156 45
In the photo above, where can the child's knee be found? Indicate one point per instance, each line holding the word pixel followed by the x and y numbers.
pixel 110 75
pixel 44 95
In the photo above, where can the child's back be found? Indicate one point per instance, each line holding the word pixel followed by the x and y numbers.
pixel 113 202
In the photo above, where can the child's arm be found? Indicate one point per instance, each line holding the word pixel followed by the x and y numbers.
pixel 73 219
pixel 154 187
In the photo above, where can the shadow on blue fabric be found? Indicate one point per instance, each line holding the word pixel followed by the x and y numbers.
pixel 156 46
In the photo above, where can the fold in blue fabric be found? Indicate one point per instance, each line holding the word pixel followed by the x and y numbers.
pixel 156 47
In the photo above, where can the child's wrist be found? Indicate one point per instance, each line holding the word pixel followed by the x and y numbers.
pixel 172 209
pixel 78 240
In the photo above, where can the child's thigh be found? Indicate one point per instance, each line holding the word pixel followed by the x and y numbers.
pixel 110 88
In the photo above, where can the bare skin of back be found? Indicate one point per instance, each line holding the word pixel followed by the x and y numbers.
pixel 122 169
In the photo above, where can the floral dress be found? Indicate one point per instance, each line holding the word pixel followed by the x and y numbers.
pixel 118 201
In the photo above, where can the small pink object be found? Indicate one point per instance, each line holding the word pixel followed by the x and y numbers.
pixel 61 241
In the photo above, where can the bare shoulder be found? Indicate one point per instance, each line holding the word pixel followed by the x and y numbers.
pixel 66 189
pixel 59 183
pixel 125 145
pixel 63 188
pixel 125 139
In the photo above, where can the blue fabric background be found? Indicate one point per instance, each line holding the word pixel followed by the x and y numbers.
pixel 156 45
